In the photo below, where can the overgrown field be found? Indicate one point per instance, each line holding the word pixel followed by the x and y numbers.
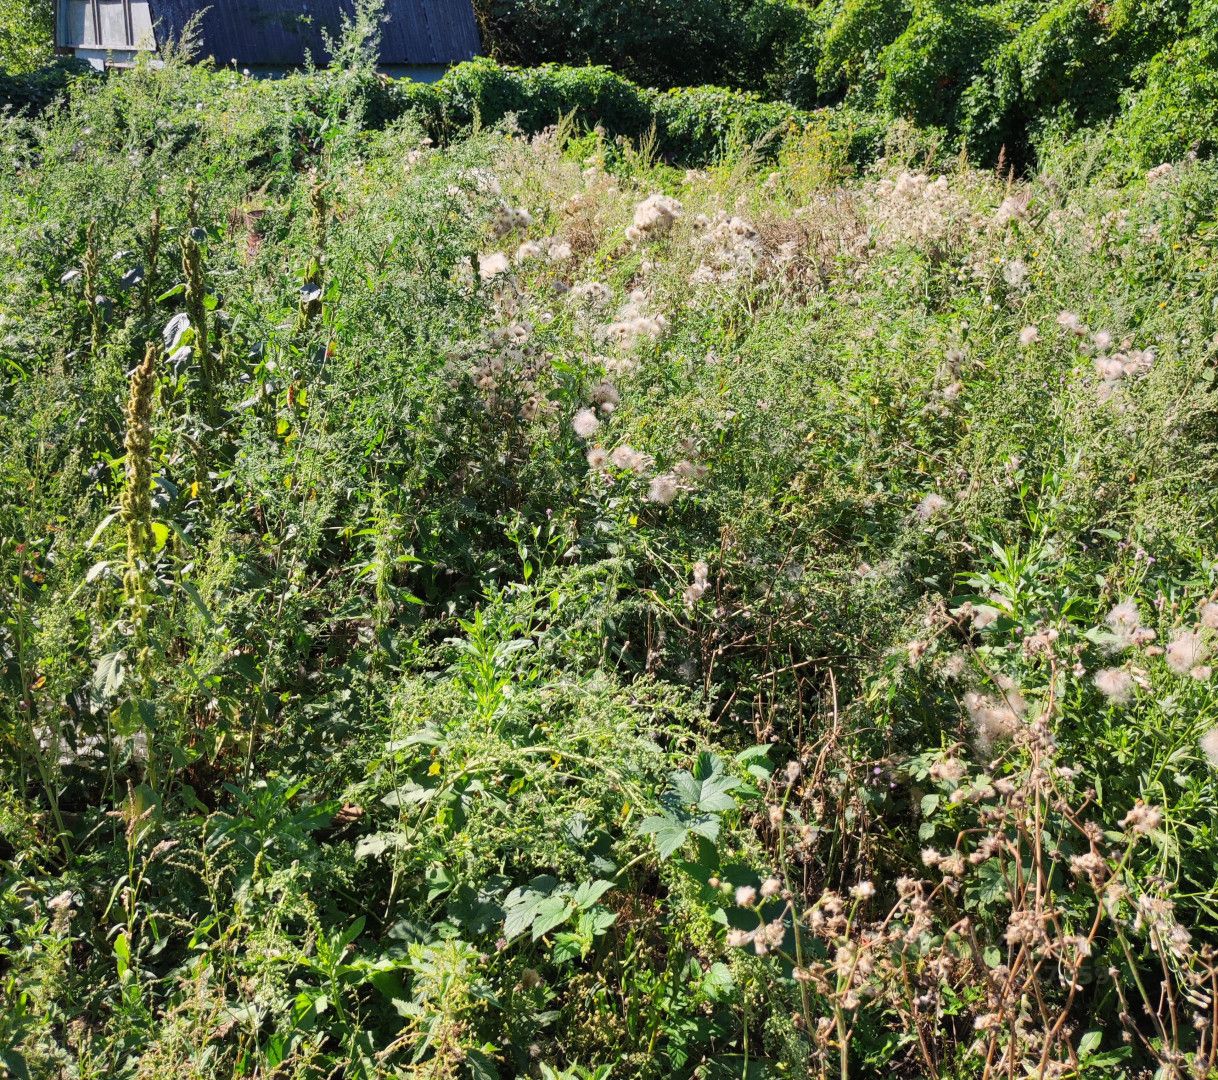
pixel 518 608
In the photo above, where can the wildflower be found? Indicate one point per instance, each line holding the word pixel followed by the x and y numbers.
pixel 746 895
pixel 1209 746
pixel 864 890
pixel 1068 320
pixel 508 218
pixel 626 457
pixel 695 591
pixel 995 720
pixel 1029 335
pixel 1103 340
pixel 955 666
pixel 1185 652
pixel 653 217
pixel 585 423
pixel 591 293
pixel 688 470
pixel 492 265
pixel 1142 819
pixel 738 939
pixel 949 769
pixel 1041 642
pixel 952 865
pixel 1115 684
pixel 1126 626
pixel 530 249
pixel 1012 208
pixel 62 902
pixel 1091 865
pixel 605 396
pixel 1209 615
pixel 1015 273
pixel 598 457
pixel 663 489
pixel 559 251
pixel 983 615
pixel 770 887
pixel 930 506
pixel 931 857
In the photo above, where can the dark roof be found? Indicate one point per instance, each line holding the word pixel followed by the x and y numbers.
pixel 280 32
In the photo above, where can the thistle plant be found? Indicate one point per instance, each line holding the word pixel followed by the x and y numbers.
pixel 314 278
pixel 92 276
pixel 136 505
pixel 152 254
pixel 196 310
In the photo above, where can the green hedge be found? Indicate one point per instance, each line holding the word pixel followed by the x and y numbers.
pixel 1177 111
pixel 34 91
pixel 693 125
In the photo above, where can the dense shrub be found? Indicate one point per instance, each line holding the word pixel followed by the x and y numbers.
pixel 513 608
pixel 1177 110
pixel 929 66
pixel 36 90
pixel 1067 65
pixel 25 34
pixel 852 44
pixel 691 125
pixel 660 43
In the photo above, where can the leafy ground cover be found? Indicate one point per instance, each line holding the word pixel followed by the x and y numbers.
pixel 518 608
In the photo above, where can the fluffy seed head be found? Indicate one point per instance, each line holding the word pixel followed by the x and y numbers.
pixel 1115 684
pixel 585 423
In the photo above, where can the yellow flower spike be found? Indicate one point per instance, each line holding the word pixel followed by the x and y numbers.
pixel 434 769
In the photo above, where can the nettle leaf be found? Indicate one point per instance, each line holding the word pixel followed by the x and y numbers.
pixel 589 892
pixel 376 844
pixel 708 787
pixel 522 905
pixel 669 834
pixel 110 672
pixel 552 912
pixel 714 785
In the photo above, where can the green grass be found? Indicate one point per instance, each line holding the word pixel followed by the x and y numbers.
pixel 359 719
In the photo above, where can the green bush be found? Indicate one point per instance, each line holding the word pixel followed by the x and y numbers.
pixel 1177 111
pixel 1069 65
pixel 749 44
pixel 692 125
pixel 927 69
pixel 853 42
pixel 26 28
pixel 36 90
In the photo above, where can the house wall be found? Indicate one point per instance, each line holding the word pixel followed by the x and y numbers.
pixel 97 26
